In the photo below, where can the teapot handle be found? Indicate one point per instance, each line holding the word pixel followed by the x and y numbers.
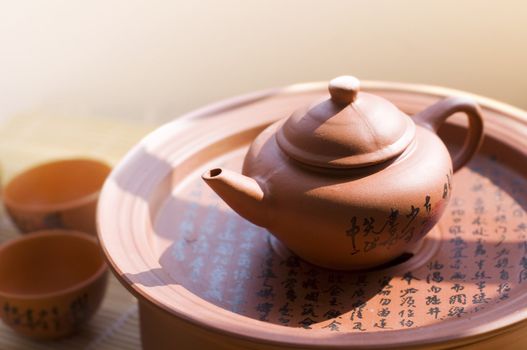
pixel 435 115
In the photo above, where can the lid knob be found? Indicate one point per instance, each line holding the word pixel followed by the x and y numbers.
pixel 344 89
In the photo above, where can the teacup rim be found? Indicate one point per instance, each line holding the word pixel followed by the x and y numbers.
pixel 45 208
pixel 40 234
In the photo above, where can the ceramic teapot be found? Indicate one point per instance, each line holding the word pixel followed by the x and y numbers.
pixel 350 182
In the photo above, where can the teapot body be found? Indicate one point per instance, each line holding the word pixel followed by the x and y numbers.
pixel 350 182
pixel 351 219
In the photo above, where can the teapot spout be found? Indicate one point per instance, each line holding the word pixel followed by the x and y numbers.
pixel 242 193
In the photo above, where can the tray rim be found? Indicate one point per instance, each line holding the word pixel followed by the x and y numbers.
pixel 498 326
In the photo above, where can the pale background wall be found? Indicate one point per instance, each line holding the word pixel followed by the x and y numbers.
pixel 158 59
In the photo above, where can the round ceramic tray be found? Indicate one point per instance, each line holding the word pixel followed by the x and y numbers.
pixel 179 248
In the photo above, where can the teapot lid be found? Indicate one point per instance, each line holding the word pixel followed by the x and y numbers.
pixel 351 129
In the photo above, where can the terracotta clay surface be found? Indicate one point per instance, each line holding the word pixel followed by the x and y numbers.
pixel 51 282
pixel 205 276
pixel 349 182
pixel 59 194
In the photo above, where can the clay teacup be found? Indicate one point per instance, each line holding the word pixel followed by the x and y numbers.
pixel 51 282
pixel 59 194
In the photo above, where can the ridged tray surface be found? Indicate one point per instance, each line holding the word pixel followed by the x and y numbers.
pixel 176 244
